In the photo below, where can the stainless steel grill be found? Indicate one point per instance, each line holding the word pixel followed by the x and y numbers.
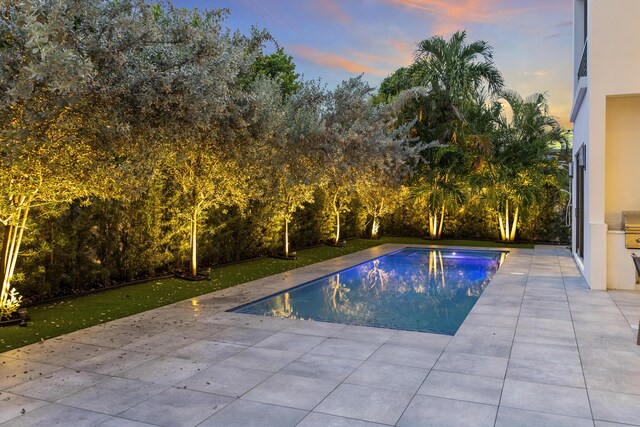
pixel 631 220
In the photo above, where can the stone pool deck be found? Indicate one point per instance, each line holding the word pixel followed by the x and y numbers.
pixel 538 349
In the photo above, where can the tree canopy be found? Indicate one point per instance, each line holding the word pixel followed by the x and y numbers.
pixel 280 67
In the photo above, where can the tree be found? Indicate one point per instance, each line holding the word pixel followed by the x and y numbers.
pixel 381 174
pixel 520 168
pixel 453 78
pixel 187 110
pixel 443 184
pixel 456 74
pixel 348 129
pixel 452 69
pixel 380 194
pixel 288 158
pixel 52 126
pixel 400 80
pixel 204 177
pixel 438 191
pixel 280 67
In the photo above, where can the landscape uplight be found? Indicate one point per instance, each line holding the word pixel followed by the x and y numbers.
pixel 24 316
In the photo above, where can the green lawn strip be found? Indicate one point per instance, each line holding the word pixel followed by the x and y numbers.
pixel 61 317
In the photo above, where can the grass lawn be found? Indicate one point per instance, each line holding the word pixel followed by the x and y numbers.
pixel 61 317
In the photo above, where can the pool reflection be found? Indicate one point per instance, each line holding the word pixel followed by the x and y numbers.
pixel 413 289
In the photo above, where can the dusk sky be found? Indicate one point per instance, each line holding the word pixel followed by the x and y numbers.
pixel 336 39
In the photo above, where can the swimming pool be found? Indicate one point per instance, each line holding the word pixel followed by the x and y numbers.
pixel 413 289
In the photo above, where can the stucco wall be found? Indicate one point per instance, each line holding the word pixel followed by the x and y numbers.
pixel 622 158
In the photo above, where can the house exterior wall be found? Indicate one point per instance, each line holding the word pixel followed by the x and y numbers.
pixel 622 158
pixel 622 173
pixel 613 69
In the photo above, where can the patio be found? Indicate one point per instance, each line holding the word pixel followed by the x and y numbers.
pixel 539 348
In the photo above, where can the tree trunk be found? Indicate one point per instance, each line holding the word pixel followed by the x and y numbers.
pixel 514 225
pixel 194 241
pixel 336 210
pixel 6 242
pixel 435 226
pixel 286 237
pixel 441 222
pixel 375 227
pixel 337 241
pixel 431 225
pixel 506 218
pixel 11 247
pixel 503 235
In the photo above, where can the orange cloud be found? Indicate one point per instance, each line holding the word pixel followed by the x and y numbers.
pixel 451 15
pixel 404 51
pixel 366 57
pixel 458 10
pixel 334 60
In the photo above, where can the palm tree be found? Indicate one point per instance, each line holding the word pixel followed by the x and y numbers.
pixel 460 76
pixel 520 168
pixel 510 190
pixel 455 79
pixel 456 75
pixel 526 134
pixel 439 191
pixel 453 68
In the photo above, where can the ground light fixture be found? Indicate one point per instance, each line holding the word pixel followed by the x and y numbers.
pixel 24 316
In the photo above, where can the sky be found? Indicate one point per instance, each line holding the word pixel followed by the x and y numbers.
pixel 337 39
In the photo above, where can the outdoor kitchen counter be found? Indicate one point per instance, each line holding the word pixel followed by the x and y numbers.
pixel 621 272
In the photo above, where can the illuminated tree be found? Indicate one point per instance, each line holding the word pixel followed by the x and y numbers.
pixel 443 184
pixel 438 191
pixel 188 110
pixel 291 129
pixel 455 77
pixel 52 125
pixel 519 170
pixel 381 175
pixel 203 177
pixel 348 129
pixel 380 195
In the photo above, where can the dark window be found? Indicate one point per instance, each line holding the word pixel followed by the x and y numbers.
pixel 580 166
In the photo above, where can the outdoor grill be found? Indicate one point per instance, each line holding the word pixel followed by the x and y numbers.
pixel 631 220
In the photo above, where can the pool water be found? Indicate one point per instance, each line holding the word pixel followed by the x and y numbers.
pixel 412 289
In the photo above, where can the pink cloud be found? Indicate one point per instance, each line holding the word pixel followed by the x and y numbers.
pixel 366 57
pixel 451 15
pixel 352 63
pixel 404 51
